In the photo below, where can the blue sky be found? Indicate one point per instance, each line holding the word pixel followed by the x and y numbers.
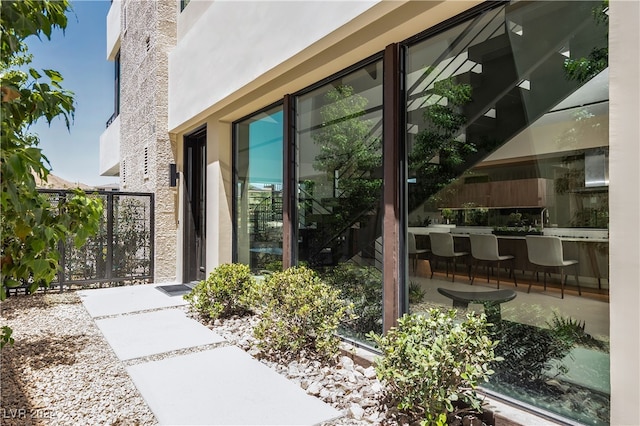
pixel 80 55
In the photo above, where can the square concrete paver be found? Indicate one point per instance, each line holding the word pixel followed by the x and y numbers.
pixel 138 335
pixel 120 300
pixel 224 386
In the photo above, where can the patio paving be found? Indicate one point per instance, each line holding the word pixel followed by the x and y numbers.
pixel 139 335
pixel 225 386
pixel 220 386
pixel 121 300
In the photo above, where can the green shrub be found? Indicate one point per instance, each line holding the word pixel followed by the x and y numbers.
pixel 362 286
pixel 530 353
pixel 429 363
pixel 300 312
pixel 416 293
pixel 226 292
pixel 275 266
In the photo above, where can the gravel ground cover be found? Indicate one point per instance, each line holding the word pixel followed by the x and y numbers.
pixel 61 371
pixel 347 386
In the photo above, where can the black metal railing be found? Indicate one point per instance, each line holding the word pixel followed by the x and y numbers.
pixel 123 248
pixel 267 212
pixel 112 119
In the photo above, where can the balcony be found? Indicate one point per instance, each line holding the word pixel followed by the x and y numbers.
pixel 110 149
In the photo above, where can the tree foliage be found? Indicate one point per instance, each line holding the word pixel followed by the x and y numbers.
pixel 584 69
pixel 31 226
pixel 438 156
pixel 349 154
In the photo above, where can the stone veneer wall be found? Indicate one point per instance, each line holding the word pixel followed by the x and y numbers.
pixel 148 32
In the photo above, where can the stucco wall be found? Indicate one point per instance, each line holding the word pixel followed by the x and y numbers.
pixel 233 43
pixel 243 56
pixel 148 34
pixel 219 185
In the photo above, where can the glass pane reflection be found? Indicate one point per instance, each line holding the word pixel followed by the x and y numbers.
pixel 507 133
pixel 259 190
pixel 339 154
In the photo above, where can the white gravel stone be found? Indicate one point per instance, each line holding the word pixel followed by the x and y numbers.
pixel 369 373
pixel 62 366
pixel 314 388
pixel 356 411
pixel 342 384
pixel 346 362
pixel 60 370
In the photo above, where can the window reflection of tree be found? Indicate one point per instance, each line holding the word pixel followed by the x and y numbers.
pixel 351 158
pixel 438 156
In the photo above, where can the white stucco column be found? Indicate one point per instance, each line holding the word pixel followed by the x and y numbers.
pixel 219 178
pixel 624 209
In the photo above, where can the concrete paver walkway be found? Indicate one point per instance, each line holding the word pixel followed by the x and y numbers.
pixel 154 333
pixel 220 386
pixel 224 386
pixel 121 300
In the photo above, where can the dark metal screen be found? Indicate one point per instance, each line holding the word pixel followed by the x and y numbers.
pixel 122 250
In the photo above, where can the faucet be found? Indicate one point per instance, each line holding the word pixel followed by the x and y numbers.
pixel 544 210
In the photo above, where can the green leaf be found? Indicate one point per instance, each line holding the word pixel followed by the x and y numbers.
pixel 38 245
pixel 35 74
pixel 41 268
pixel 33 287
pixel 53 75
pixel 22 230
pixel 10 283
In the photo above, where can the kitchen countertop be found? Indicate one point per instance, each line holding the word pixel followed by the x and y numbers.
pixel 565 234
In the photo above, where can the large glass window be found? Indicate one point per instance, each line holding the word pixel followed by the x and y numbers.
pixel 339 159
pixel 258 166
pixel 507 136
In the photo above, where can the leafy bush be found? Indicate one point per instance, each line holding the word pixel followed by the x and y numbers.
pixel 274 266
pixel 431 362
pixel 227 291
pixel 362 286
pixel 300 312
pixel 416 293
pixel 530 353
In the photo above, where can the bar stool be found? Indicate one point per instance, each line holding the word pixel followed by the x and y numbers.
pixel 442 246
pixel 414 252
pixel 545 252
pixel 484 248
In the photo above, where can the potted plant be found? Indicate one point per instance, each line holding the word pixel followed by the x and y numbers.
pixel 447 215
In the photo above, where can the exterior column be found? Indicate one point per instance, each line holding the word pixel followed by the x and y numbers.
pixel 392 235
pixel 624 205
pixel 219 228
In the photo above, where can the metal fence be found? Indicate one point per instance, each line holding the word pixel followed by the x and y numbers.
pixel 123 248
